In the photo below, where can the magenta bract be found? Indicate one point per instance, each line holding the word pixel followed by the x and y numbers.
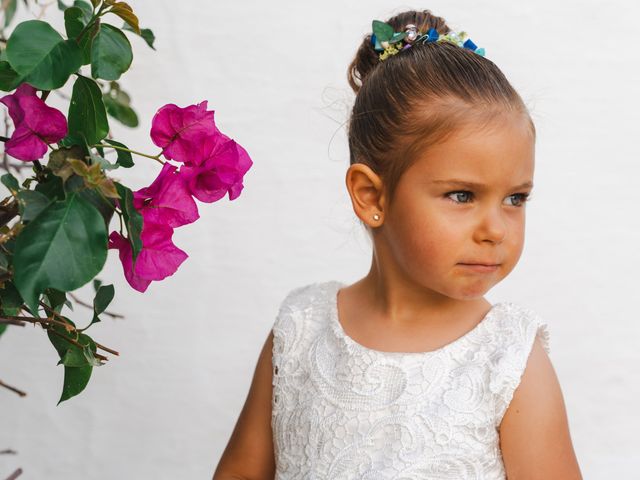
pixel 167 200
pixel 36 124
pixel 158 259
pixel 225 163
pixel 179 131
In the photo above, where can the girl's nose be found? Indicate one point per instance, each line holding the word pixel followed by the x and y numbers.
pixel 492 226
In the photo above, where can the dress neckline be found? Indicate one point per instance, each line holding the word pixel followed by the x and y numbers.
pixel 336 327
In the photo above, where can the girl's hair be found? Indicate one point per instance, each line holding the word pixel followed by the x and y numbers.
pixel 417 97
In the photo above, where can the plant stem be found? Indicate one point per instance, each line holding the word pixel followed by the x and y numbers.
pixel 18 318
pixel 15 474
pixel 54 313
pixel 92 21
pixel 10 321
pixel 78 344
pixel 106 349
pixel 156 157
pixel 13 389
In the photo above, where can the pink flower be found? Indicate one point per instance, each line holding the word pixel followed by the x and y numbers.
pixel 225 163
pixel 36 124
pixel 167 200
pixel 179 131
pixel 158 259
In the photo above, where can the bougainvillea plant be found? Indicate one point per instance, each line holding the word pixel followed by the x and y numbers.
pixel 56 223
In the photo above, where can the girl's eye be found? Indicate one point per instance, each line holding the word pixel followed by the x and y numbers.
pixel 457 194
pixel 464 196
pixel 522 198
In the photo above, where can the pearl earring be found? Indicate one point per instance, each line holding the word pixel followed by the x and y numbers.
pixel 376 216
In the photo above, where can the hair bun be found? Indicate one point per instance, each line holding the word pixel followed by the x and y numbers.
pixel 367 59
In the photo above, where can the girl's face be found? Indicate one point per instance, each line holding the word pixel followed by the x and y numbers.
pixel 438 225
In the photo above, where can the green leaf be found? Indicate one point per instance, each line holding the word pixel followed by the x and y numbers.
pixel 146 34
pixel 125 159
pixel 10 299
pixel 3 327
pixel 103 298
pixel 9 11
pixel 52 187
pixel 31 203
pixel 38 53
pixel 74 357
pixel 9 78
pixel 78 360
pixel 56 299
pixel 73 22
pixel 101 301
pixel 86 41
pixel 11 182
pixel 123 113
pixel 79 357
pixel 75 381
pixel 86 8
pixel 104 163
pixel 56 334
pixel 64 248
pixel 132 219
pixel 382 30
pixel 111 53
pixel 87 114
pixel 106 207
pixel 397 37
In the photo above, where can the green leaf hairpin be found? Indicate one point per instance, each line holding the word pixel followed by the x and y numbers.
pixel 388 42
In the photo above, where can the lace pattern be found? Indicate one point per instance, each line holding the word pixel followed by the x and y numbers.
pixel 343 411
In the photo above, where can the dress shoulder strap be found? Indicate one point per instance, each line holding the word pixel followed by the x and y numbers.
pixel 300 315
pixel 515 331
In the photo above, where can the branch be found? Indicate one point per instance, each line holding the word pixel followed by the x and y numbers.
pixel 54 313
pixel 13 389
pixel 10 321
pixel 77 344
pixel 12 318
pixel 15 474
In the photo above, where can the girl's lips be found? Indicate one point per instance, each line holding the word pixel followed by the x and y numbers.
pixel 478 267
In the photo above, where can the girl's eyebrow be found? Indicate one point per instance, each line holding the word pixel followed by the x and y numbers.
pixel 479 186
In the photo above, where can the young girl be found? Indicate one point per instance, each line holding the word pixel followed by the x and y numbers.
pixel 410 373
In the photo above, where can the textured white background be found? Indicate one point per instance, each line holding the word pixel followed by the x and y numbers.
pixel 276 75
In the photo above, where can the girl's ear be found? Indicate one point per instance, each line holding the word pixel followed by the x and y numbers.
pixel 367 193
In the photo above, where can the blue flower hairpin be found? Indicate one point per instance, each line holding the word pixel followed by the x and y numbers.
pixel 388 42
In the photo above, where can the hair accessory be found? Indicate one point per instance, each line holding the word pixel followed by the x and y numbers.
pixel 388 42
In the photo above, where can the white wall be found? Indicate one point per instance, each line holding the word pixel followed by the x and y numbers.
pixel 276 75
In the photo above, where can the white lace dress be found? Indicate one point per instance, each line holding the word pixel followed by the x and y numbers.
pixel 343 411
